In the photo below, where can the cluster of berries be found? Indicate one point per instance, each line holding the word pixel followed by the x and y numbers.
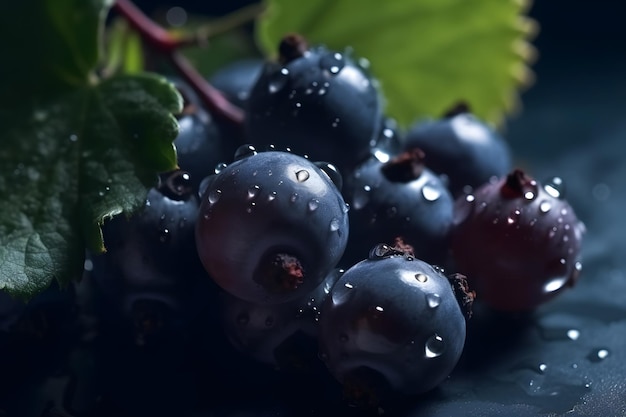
pixel 325 233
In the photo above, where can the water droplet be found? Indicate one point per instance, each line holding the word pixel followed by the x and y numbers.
pixel 334 225
pixel 214 196
pixel 430 192
pixel 434 347
pixel 335 122
pixel 293 198
pixel 529 195
pixel 555 284
pixel 220 167
pixel 513 217
pixel 421 277
pixel 278 80
pixel 164 235
pixel 302 175
pixel 253 191
pixel 313 204
pixel 545 206
pixel 73 138
pixel 573 334
pixel 433 300
pixel 88 265
pixel 559 333
pixel 470 198
pixel 272 196
pixel 244 151
pixel 332 62
pixel 380 251
pixel 542 367
pixel 597 355
pixel 332 172
pixel 555 187
pixel 361 197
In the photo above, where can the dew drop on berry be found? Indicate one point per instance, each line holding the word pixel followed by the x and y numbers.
pixel 293 198
pixel 253 191
pixel 421 277
pixel 272 196
pixel 313 204
pixel 434 347
pixel 332 62
pixel 302 175
pixel 597 355
pixel 433 300
pixel 334 225
pixel 214 196
pixel 545 206
pixel 278 81
pixel 332 172
pixel 555 187
pixel 244 151
pixel 164 235
pixel 430 192
pixel 555 284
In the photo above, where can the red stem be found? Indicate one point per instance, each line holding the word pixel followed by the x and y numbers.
pixel 163 42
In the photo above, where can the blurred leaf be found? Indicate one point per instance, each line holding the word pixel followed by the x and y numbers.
pixel 426 54
pixel 133 56
pixel 124 49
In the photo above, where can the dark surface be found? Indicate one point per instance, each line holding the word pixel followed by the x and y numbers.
pixel 568 358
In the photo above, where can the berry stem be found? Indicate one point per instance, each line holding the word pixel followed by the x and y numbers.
pixel 163 42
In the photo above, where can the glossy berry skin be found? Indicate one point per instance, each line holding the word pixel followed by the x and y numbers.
pixel 408 201
pixel 202 143
pixel 150 279
pixel 517 241
pixel 236 79
pixel 391 327
pixel 282 335
pixel 321 104
pixel 463 148
pixel 272 225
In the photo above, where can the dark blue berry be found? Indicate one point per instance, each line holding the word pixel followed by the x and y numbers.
pixel 316 101
pixel 463 148
pixel 398 199
pixel 282 335
pixel 391 327
pixel 202 142
pixel 272 226
pixel 151 278
pixel 235 80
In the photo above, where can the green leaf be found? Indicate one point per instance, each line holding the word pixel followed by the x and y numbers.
pixel 74 149
pixel 70 163
pixel 426 54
